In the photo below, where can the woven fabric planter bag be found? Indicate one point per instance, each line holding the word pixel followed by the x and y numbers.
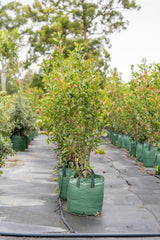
pixel 139 152
pixel 149 157
pixel 157 159
pixel 63 178
pixel 85 195
pixel 64 173
pixel 132 150
pixel 119 140
pixel 18 143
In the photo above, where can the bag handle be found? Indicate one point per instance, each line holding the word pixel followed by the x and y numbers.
pixel 64 168
pixel 92 178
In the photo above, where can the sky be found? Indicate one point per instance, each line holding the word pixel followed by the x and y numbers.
pixel 140 40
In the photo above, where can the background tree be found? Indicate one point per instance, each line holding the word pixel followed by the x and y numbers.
pixel 80 21
pixel 11 19
pixel 11 16
pixel 37 81
pixel 8 52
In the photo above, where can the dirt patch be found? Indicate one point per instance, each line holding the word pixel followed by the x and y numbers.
pixel 13 162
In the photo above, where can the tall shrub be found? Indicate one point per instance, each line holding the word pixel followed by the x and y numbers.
pixel 73 104
pixel 5 128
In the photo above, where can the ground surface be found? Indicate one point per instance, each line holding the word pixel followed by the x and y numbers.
pixel 28 195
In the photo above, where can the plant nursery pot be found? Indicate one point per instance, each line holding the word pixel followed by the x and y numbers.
pixel 114 138
pixel 27 141
pixel 64 175
pixel 149 157
pixel 119 140
pixel 126 142
pixel 139 152
pixel 18 143
pixel 84 197
pixel 157 159
pixel 132 150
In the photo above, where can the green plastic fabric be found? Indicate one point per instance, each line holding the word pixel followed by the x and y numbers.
pixel 126 142
pixel 114 139
pixel 157 159
pixel 63 181
pixel 111 137
pixel 149 157
pixel 31 137
pixel 139 152
pixel 132 150
pixel 27 141
pixel 85 200
pixel 18 143
pixel 108 133
pixel 146 148
pixel 119 140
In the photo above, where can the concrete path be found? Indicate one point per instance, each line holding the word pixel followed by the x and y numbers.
pixel 131 198
pixel 28 197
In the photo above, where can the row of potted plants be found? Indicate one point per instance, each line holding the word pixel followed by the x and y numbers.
pixel 23 121
pixel 71 116
pixel 144 152
pixel 133 110
pixel 17 125
pixel 5 126
pixel 133 107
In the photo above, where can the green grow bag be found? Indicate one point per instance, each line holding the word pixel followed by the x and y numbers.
pixel 149 157
pixel 132 150
pixel 63 178
pixel 157 159
pixel 126 142
pixel 85 196
pixel 139 152
pixel 108 133
pixel 18 143
pixel 114 139
pixel 119 140
pixel 27 141
pixel 146 148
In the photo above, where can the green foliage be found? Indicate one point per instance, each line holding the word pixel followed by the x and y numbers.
pixel 100 150
pixel 85 22
pixel 156 169
pixel 8 52
pixel 37 81
pixel 5 107
pixel 5 129
pixel 133 107
pixel 22 117
pixel 11 15
pixel 72 107
pixel 8 44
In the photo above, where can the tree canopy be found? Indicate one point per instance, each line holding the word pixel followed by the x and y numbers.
pixel 8 52
pixel 82 21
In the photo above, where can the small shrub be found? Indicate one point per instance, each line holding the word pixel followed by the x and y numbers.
pixel 100 151
pixel 156 169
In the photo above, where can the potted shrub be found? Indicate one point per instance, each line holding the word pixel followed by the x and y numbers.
pixel 73 108
pixel 22 119
pixel 5 128
pixel 5 150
